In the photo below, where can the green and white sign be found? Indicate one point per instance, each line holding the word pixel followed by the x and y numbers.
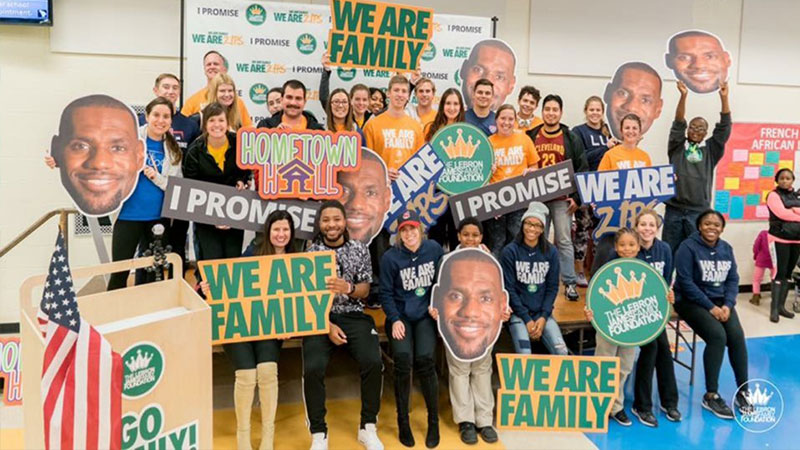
pixel 467 155
pixel 629 300
pixel 144 367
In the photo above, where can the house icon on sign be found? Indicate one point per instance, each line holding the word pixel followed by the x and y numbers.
pixel 297 176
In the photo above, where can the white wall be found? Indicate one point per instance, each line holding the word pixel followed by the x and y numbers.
pixel 35 85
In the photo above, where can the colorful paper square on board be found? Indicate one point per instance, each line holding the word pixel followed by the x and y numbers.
pixel 748 186
pixel 764 195
pixel 740 155
pixel 722 201
pixel 737 207
pixel 756 159
pixel 766 184
pixel 750 173
pixel 753 199
pixel 731 183
pixel 735 169
pixel 767 171
pixel 762 212
pixel 773 157
pixel 786 164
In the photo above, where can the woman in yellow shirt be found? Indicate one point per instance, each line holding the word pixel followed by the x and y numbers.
pixel 514 155
pixel 627 155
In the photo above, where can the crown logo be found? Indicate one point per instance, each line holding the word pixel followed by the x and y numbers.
pixel 625 289
pixel 305 39
pixel 258 90
pixel 758 397
pixel 256 10
pixel 460 148
pixel 139 362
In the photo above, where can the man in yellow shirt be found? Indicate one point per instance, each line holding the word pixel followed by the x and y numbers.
pixel 213 64
pixel 393 134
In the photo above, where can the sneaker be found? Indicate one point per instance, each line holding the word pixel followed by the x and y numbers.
pixel 488 435
pixel 673 415
pixel 714 403
pixel 744 406
pixel 645 417
pixel 622 418
pixel 319 441
pixel 468 433
pixel 582 281
pixel 572 293
pixel 368 437
pixel 756 299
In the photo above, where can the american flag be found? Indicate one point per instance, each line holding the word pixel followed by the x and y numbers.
pixel 81 375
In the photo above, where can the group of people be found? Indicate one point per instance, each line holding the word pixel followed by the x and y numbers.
pixel 198 141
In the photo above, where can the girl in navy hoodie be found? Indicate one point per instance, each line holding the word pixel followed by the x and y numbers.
pixel 408 271
pixel 656 355
pixel 705 297
pixel 530 270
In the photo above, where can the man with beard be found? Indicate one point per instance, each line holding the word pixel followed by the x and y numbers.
pixel 635 88
pixel 698 59
pixel 470 301
pixel 99 153
pixel 555 143
pixel 349 327
pixel 293 115
pixel 494 60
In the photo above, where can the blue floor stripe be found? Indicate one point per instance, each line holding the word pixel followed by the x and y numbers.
pixel 776 359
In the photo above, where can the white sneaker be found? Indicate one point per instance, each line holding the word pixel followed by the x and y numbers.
pixel 368 437
pixel 319 441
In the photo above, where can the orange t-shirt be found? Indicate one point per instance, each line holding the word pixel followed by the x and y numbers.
pixel 620 157
pixel 303 123
pixel 512 155
pixel 535 122
pixel 427 118
pixel 195 103
pixel 395 139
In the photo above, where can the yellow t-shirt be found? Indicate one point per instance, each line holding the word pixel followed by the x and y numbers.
pixel 395 139
pixel 535 122
pixel 195 103
pixel 427 118
pixel 303 123
pixel 620 157
pixel 219 154
pixel 512 155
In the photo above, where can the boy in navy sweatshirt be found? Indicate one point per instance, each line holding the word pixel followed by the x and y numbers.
pixel 530 269
pixel 408 271
pixel 705 297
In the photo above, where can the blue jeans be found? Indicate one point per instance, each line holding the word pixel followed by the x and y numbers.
pixel 551 336
pixel 562 220
pixel 679 223
pixel 501 231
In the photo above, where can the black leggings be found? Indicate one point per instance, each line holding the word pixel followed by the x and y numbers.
pixel 655 356
pixel 215 243
pixel 247 355
pixel 717 336
pixel 417 347
pixel 127 235
pixel 786 255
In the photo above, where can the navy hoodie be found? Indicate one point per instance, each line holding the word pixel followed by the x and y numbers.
pixel 531 279
pixel 406 279
pixel 659 256
pixel 705 273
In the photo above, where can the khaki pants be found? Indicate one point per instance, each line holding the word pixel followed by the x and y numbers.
pixel 471 390
pixel 627 355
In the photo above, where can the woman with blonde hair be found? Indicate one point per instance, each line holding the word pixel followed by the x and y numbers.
pixel 222 90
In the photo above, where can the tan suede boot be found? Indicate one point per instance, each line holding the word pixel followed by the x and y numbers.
pixel 268 396
pixel 244 389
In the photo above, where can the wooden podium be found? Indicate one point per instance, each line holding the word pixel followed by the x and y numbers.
pixel 162 331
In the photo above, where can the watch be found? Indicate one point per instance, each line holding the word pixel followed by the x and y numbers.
pixel 352 289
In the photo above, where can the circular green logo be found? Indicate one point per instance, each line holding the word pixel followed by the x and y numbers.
pixel 256 14
pixel 306 44
pixel 629 300
pixel 429 53
pixel 533 288
pixel 345 74
pixel 467 156
pixel 258 93
pixel 144 367
pixel 457 77
pixel 420 291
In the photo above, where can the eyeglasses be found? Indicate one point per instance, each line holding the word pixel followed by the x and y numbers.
pixel 536 225
pixel 339 102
